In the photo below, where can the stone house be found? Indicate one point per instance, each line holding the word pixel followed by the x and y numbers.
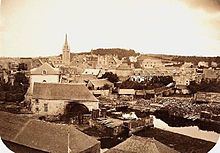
pixel 57 98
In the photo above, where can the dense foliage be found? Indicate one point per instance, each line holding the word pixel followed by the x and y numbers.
pixel 152 83
pixel 206 85
pixel 195 59
pixel 114 51
pixel 16 92
pixel 111 77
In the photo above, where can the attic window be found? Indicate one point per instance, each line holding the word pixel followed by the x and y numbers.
pixel 44 72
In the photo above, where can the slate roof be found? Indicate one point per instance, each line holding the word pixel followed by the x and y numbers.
pixel 40 135
pixel 49 70
pixel 61 91
pixel 136 144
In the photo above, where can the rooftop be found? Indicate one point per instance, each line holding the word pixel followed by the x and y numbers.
pixel 40 135
pixel 61 91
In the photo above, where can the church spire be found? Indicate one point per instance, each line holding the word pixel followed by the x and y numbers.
pixel 66 42
pixel 66 52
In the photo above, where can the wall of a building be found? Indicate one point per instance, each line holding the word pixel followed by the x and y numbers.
pixel 41 78
pixel 55 107
pixel 91 105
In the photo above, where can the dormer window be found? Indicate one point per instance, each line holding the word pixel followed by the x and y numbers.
pixel 44 72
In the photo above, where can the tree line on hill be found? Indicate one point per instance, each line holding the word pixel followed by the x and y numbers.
pixel 114 51
pixel 196 59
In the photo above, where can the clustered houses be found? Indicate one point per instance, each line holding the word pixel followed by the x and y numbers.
pixel 87 69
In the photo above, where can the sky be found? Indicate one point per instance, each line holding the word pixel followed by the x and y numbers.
pixel 178 27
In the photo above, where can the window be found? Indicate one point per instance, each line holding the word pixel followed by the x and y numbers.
pixel 37 109
pixel 45 107
pixel 44 72
pixel 44 81
pixel 36 101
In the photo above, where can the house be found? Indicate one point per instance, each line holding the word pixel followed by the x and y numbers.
pixel 97 84
pixel 207 97
pixel 182 89
pixel 22 134
pixel 151 63
pixel 203 64
pixel 94 72
pixel 126 93
pixel 137 78
pixel 44 73
pixel 137 144
pixel 57 98
pixel 211 74
pixel 140 93
pixel 108 61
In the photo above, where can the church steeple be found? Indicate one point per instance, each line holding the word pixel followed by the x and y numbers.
pixel 66 43
pixel 66 52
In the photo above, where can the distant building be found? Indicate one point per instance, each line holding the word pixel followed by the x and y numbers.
pixel 207 97
pixel 203 64
pixel 151 63
pixel 57 98
pixel 126 93
pixel 211 74
pixel 94 72
pixel 97 84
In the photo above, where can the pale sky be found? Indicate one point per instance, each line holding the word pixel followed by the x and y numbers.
pixel 38 27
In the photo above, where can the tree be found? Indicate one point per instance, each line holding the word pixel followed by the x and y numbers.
pixel 106 87
pixel 111 77
pixel 193 87
pixel 129 84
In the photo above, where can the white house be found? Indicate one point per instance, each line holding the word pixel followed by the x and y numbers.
pixel 45 73
pixel 53 98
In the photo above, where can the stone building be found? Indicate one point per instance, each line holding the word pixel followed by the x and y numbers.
pixel 57 98
pixel 45 73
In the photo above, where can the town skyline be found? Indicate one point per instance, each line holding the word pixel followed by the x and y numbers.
pixel 160 27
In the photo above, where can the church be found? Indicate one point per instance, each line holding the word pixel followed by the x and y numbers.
pixel 64 59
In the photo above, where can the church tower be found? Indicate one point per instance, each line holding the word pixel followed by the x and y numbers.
pixel 66 53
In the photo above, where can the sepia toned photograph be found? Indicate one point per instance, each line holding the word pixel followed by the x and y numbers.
pixel 109 76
